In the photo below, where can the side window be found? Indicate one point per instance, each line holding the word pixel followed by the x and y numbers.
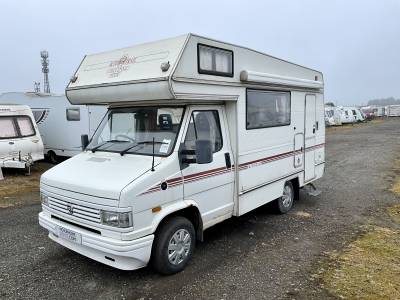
pixel 214 61
pixel 267 109
pixel 204 125
pixel 7 128
pixel 25 126
pixel 73 114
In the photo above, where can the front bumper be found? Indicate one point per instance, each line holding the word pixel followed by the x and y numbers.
pixel 124 255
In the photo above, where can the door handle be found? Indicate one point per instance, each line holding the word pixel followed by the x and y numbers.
pixel 313 129
pixel 11 143
pixel 228 160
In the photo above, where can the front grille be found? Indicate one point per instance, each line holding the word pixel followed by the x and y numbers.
pixel 77 225
pixel 76 210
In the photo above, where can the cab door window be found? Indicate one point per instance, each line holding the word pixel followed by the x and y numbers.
pixel 204 125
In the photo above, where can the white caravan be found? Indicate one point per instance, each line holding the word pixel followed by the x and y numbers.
pixel 20 142
pixel 356 113
pixel 379 111
pixel 197 131
pixel 332 116
pixel 346 115
pixel 60 123
pixel 393 110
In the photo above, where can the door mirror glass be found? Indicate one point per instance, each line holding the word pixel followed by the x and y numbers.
pixel 203 152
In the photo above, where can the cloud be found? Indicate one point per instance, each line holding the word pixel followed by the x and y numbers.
pixel 354 43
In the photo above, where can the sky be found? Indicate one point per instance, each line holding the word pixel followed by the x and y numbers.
pixel 355 43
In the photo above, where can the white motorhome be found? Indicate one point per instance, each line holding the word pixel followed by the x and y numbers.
pixel 20 142
pixel 393 110
pixel 60 123
pixel 197 131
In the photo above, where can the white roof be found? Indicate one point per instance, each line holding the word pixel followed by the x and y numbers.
pixel 13 108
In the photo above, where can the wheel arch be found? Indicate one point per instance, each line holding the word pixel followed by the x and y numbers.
pixel 296 186
pixel 187 209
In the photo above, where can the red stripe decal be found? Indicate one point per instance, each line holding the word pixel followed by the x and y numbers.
pixel 222 170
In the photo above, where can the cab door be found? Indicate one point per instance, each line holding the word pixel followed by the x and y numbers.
pixel 210 185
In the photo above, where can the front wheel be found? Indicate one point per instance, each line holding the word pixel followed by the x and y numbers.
pixel 173 246
pixel 285 203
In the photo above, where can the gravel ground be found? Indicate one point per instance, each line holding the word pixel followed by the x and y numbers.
pixel 259 255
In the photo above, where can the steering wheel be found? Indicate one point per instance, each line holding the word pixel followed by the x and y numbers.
pixel 124 136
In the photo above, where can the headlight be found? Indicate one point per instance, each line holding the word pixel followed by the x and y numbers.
pixel 44 199
pixel 116 219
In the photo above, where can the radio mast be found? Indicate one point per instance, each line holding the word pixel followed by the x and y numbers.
pixel 45 69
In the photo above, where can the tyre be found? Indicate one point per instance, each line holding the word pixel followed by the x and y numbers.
pixel 52 157
pixel 173 246
pixel 285 203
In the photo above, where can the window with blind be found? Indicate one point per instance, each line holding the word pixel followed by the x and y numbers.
pixel 214 61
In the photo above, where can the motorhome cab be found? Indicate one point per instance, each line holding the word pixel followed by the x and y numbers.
pixel 197 131
pixel 20 142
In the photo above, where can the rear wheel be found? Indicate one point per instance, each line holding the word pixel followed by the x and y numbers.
pixel 285 203
pixel 52 157
pixel 173 246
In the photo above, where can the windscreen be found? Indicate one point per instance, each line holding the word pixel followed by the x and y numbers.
pixel 138 130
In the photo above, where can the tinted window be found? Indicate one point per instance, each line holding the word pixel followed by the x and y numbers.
pixel 267 109
pixel 204 125
pixel 73 114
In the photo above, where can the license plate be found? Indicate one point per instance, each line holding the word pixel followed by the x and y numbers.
pixel 69 235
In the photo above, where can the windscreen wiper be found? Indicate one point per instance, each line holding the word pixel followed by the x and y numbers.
pixel 138 144
pixel 94 149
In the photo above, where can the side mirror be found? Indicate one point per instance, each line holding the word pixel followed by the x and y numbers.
pixel 204 153
pixel 84 141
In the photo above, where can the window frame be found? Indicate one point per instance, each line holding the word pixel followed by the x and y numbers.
pixel 218 119
pixel 269 91
pixel 215 73
pixel 145 154
pixel 19 134
pixel 19 129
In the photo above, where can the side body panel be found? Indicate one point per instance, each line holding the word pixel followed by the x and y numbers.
pixel 58 134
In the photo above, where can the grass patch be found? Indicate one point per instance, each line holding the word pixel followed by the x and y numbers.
pixel 396 183
pixel 346 127
pixel 16 183
pixel 369 268
pixel 394 213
